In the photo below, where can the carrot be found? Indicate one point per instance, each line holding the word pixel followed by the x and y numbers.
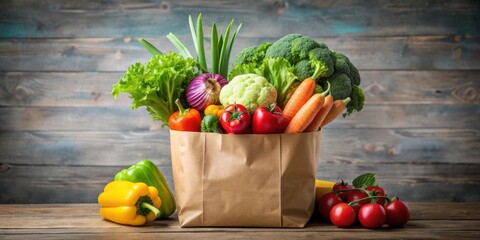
pixel 301 95
pixel 305 115
pixel 317 121
pixel 335 111
pixel 327 104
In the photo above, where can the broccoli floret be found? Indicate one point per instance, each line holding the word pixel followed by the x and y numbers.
pixel 303 70
pixel 302 46
pixel 354 75
pixel 325 56
pixel 252 54
pixel 340 85
pixel 280 50
pixel 357 99
pixel 318 57
pixel 289 37
pixel 343 65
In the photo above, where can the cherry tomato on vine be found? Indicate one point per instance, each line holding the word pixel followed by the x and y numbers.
pixel 398 213
pixel 372 215
pixel 377 191
pixel 342 215
pixel 326 202
pixel 356 195
pixel 343 186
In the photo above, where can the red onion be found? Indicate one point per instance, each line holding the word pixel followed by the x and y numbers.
pixel 204 90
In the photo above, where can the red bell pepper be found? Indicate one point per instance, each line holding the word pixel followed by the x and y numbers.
pixel 235 119
pixel 268 120
pixel 185 119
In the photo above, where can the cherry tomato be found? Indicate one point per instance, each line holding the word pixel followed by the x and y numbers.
pixel 372 215
pixel 355 195
pixel 235 119
pixel 342 215
pixel 343 186
pixel 377 191
pixel 398 213
pixel 326 202
pixel 268 120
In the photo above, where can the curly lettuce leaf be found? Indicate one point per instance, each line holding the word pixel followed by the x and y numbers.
pixel 279 73
pixel 157 83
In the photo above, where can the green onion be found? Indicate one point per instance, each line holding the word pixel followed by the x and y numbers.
pixel 214 43
pixel 179 45
pixel 201 49
pixel 150 48
pixel 221 46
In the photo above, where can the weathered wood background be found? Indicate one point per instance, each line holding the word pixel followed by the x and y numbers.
pixel 62 135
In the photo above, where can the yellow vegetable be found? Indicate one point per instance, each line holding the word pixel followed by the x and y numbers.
pixel 214 109
pixel 129 203
pixel 322 187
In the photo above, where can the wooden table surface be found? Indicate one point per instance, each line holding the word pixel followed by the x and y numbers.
pixel 82 221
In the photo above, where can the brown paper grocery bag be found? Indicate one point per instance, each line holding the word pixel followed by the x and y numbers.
pixel 247 180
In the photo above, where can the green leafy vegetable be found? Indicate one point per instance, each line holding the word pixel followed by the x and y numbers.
pixel 365 180
pixel 221 46
pixel 157 83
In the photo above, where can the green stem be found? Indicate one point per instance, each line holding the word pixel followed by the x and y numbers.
pixel 325 93
pixel 181 110
pixel 151 208
pixel 368 198
pixel 354 189
pixel 346 101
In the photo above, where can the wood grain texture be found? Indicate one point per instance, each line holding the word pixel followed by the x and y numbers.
pixel 82 89
pixel 346 146
pixel 432 221
pixel 53 18
pixel 82 184
pixel 116 54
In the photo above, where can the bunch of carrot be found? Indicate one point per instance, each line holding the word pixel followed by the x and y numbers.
pixel 307 113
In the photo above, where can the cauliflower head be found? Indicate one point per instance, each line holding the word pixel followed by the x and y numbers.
pixel 249 90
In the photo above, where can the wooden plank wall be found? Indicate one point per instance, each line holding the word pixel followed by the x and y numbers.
pixel 62 135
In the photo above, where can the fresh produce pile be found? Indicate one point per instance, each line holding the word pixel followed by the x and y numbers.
pixel 293 85
pixel 363 201
pixel 290 86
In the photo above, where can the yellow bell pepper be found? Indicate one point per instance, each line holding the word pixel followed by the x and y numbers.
pixel 214 109
pixel 129 203
pixel 322 187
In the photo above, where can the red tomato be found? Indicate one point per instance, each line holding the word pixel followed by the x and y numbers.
pixel 326 202
pixel 398 213
pixel 342 215
pixel 343 186
pixel 372 215
pixel 356 195
pixel 377 191
pixel 268 120
pixel 235 119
